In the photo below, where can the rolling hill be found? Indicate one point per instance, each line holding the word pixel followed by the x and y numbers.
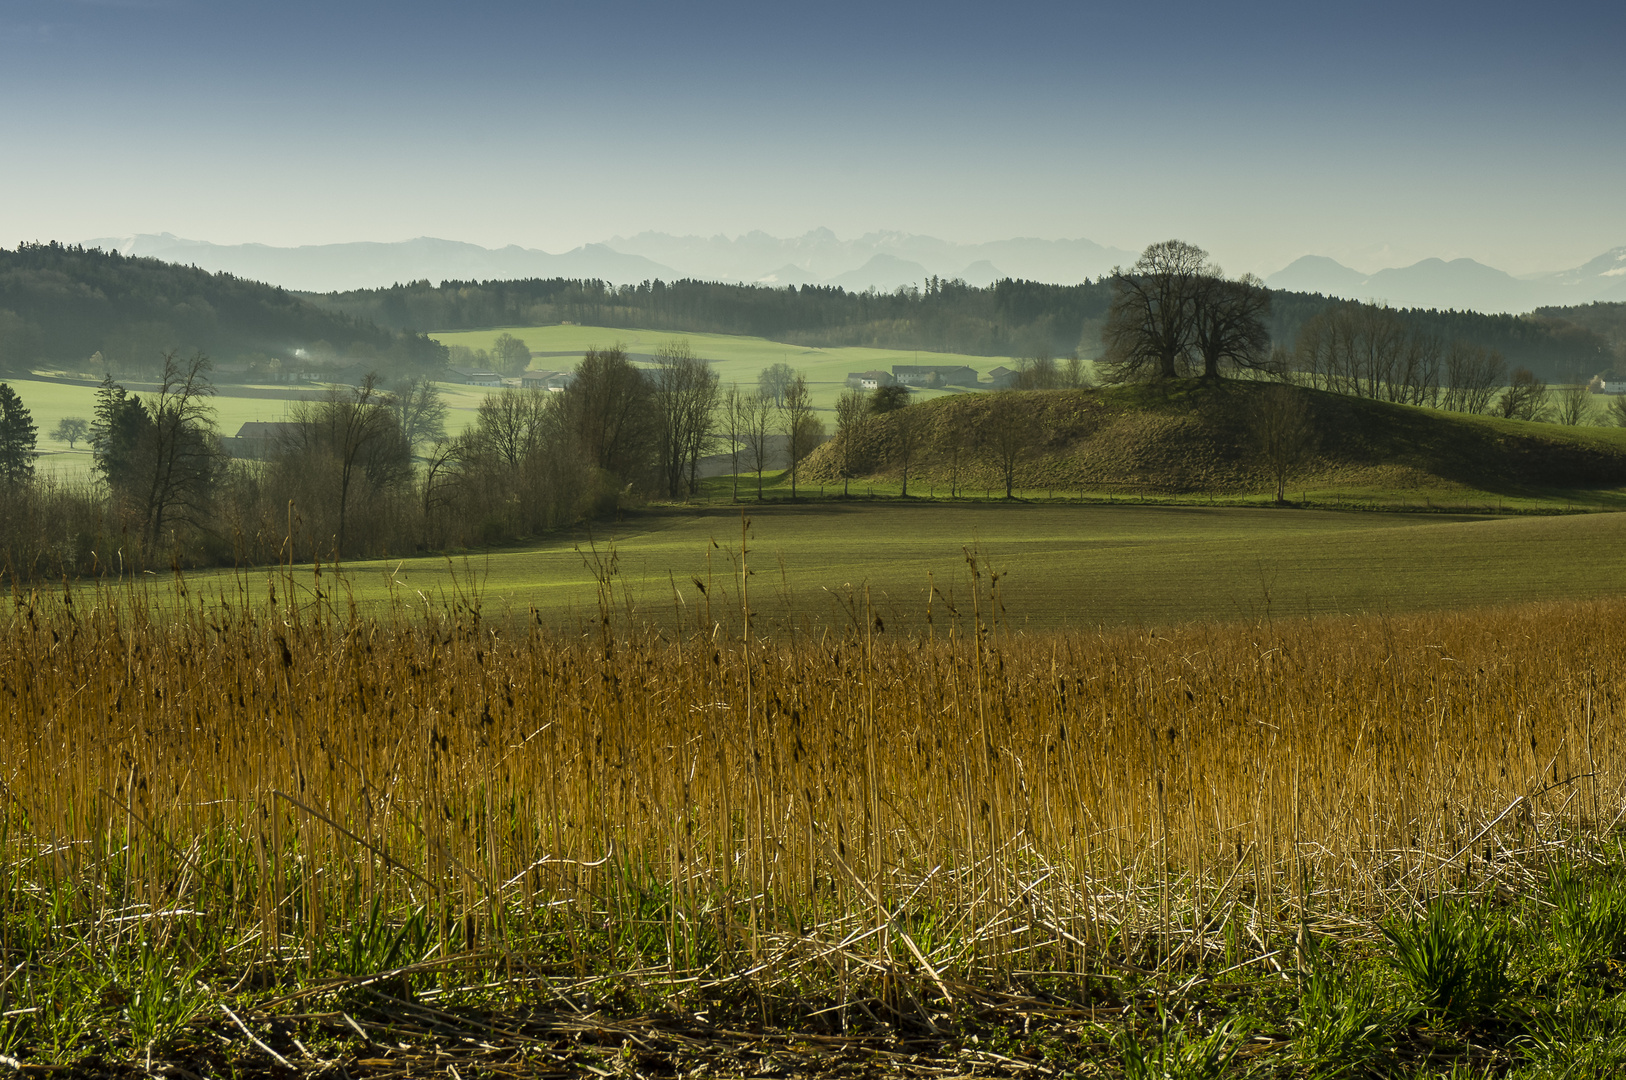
pixel 59 305
pixel 1191 437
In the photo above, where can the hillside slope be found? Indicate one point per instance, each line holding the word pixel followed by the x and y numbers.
pixel 1191 437
pixel 58 305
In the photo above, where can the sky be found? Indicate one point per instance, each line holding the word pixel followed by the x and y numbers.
pixel 1374 133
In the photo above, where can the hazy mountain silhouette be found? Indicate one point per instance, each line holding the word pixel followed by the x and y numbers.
pixel 827 258
pixel 883 272
pixel 1459 283
pixel 789 274
pixel 1604 276
pixel 981 273
pixel 817 257
pixel 337 267
pixel 1317 274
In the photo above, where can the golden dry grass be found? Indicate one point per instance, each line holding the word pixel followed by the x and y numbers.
pixel 829 811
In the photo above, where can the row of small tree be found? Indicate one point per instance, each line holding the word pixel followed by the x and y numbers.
pixel 955 435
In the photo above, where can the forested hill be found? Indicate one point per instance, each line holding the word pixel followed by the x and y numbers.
pixel 1008 318
pixel 59 305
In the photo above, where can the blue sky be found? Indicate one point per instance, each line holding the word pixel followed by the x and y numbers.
pixel 1377 133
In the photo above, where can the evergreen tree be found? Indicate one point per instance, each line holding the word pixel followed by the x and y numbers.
pixel 118 437
pixel 17 439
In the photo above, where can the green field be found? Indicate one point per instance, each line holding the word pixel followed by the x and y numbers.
pixel 1079 566
pixel 50 402
pixel 737 360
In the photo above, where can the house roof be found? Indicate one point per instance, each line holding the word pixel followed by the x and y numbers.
pixel 267 429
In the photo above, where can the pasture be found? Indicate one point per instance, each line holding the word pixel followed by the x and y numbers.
pixel 1059 566
pixel 736 359
pixel 50 401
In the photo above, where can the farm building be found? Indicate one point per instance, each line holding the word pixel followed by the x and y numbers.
pixel 257 440
pixel 555 381
pixel 934 374
pixel 1003 378
pixel 869 380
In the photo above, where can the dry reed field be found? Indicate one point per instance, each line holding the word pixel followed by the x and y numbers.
pixel 243 833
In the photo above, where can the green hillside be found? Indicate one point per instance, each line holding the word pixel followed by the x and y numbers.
pixel 59 305
pixel 1189 438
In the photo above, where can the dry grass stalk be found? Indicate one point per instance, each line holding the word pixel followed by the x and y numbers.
pixel 841 810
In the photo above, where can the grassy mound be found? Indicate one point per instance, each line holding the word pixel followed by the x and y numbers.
pixel 1192 436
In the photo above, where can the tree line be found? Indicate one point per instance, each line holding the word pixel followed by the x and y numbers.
pixel 1007 318
pixel 370 469
pixel 61 305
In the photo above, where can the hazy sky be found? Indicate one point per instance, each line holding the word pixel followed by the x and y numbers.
pixel 1372 132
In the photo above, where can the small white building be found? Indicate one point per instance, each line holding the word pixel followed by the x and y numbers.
pixel 869 380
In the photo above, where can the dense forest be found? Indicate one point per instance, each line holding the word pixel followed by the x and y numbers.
pixel 1606 320
pixel 1008 318
pixel 59 305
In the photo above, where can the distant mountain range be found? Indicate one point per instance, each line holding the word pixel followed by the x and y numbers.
pixel 339 267
pixel 883 260
pixel 879 260
pixel 1461 283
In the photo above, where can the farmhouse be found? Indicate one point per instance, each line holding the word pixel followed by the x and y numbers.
pixel 482 378
pixel 257 440
pixel 869 380
pixel 1003 378
pixel 934 374
pixel 555 381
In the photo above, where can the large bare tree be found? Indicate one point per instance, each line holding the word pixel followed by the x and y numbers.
pixel 1007 435
pixel 1150 325
pixel 852 419
pixel 1285 431
pixel 734 433
pixel 803 431
pixel 1472 375
pixel 909 433
pixel 756 425
pixel 685 400
pixel 184 460
pixel 1525 398
pixel 419 410
pixel 951 438
pixel 355 440
pixel 1228 331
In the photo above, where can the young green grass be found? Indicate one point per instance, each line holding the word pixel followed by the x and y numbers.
pixel 1064 565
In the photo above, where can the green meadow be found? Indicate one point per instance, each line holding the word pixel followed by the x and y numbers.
pixel 49 402
pixel 737 359
pixel 1057 565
